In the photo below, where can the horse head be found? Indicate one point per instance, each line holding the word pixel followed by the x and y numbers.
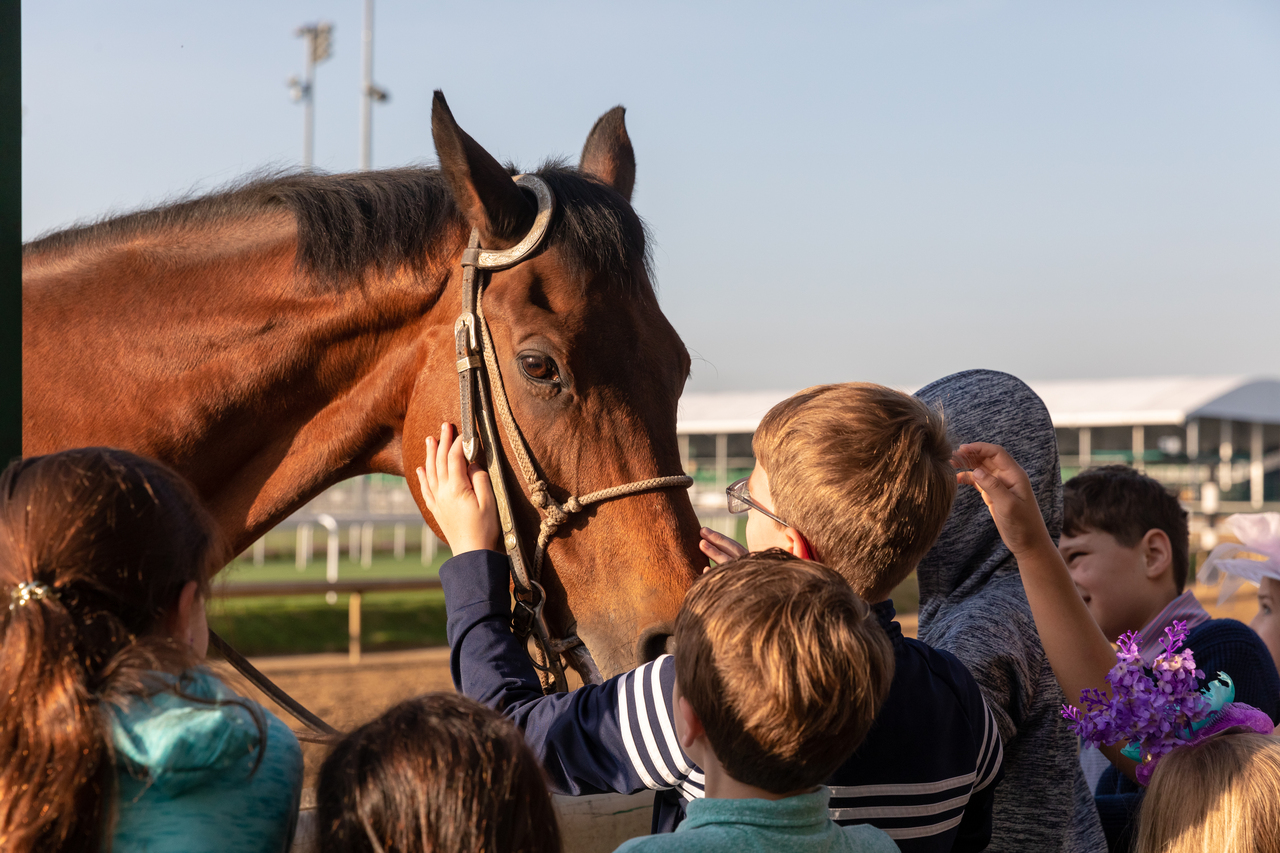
pixel 593 372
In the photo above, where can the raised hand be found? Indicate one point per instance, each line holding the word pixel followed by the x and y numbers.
pixel 1080 655
pixel 459 496
pixel 1007 492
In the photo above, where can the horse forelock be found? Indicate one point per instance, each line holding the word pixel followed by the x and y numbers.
pixel 390 219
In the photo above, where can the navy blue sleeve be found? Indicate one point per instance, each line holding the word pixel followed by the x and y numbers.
pixel 1225 645
pixel 1118 800
pixel 618 736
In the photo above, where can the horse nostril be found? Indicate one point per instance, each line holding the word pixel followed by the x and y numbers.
pixel 654 643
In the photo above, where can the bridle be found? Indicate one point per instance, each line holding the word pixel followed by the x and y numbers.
pixel 479 379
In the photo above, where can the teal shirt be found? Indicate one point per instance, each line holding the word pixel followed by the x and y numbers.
pixel 185 777
pixel 797 824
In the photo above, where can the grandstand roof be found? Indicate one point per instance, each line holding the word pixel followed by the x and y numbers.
pixel 1072 403
pixel 1160 400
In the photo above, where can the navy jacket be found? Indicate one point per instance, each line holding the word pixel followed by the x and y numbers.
pixel 1220 645
pixel 925 773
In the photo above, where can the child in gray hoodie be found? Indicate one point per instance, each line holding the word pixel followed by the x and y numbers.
pixel 973 605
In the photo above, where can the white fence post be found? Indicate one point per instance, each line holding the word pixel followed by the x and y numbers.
pixel 428 545
pixel 303 547
pixel 353 628
pixel 366 545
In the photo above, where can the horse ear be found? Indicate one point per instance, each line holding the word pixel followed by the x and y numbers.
pixel 607 153
pixel 482 189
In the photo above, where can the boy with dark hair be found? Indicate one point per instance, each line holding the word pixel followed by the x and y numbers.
pixel 780 670
pixel 853 457
pixel 1125 542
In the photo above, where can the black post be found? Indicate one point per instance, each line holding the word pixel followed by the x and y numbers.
pixel 10 230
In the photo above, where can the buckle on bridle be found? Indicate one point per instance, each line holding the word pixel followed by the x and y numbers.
pixel 526 614
pixel 467 320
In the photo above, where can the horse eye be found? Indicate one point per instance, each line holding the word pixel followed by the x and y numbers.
pixel 539 368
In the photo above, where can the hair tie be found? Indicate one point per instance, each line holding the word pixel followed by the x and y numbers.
pixel 29 591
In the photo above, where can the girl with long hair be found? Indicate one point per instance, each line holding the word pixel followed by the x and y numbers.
pixel 112 735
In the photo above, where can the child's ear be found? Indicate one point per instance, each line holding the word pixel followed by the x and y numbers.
pixel 1157 552
pixel 690 728
pixel 798 545
pixel 180 621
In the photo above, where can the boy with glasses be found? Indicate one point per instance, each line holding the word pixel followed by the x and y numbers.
pixel 862 476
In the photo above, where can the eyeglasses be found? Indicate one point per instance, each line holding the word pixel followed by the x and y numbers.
pixel 740 501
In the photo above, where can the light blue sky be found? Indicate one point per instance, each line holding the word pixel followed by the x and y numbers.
pixel 887 191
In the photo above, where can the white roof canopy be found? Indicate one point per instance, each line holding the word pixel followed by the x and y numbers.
pixel 1172 400
pixel 1160 400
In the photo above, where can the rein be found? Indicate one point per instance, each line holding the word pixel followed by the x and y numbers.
pixel 480 378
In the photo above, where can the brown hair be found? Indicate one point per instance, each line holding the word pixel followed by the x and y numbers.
pixel 784 665
pixel 436 774
pixel 864 473
pixel 1126 503
pixel 1219 795
pixel 115 538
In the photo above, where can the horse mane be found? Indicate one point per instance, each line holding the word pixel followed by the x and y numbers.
pixel 387 219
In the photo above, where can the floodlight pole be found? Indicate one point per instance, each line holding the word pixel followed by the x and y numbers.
pixel 319 38
pixel 368 91
pixel 308 104
pixel 366 101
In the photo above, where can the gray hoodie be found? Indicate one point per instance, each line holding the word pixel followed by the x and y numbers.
pixel 972 604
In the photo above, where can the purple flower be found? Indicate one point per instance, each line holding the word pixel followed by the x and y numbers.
pixel 1154 711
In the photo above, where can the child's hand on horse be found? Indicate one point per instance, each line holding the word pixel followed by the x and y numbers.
pixel 1007 492
pixel 719 547
pixel 459 496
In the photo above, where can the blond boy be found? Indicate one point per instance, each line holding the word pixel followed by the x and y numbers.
pixel 854 476
pixel 779 673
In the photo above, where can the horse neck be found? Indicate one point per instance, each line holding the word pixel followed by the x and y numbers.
pixel 261 386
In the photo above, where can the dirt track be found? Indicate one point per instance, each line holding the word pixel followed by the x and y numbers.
pixel 344 695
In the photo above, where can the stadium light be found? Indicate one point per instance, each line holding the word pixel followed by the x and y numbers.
pixel 319 38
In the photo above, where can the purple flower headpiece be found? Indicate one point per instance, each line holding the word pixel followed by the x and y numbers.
pixel 1160 712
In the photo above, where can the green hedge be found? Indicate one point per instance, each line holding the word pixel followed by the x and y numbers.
pixel 305 624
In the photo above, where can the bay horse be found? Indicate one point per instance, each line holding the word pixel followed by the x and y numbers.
pixel 275 338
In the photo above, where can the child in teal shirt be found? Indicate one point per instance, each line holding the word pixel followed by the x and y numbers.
pixel 113 736
pixel 780 670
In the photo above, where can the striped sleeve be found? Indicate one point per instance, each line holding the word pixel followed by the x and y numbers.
pixel 909 810
pixel 645 697
pixel 991 755
pixel 921 810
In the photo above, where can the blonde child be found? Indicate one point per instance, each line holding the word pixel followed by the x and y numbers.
pixel 780 670
pixel 855 476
